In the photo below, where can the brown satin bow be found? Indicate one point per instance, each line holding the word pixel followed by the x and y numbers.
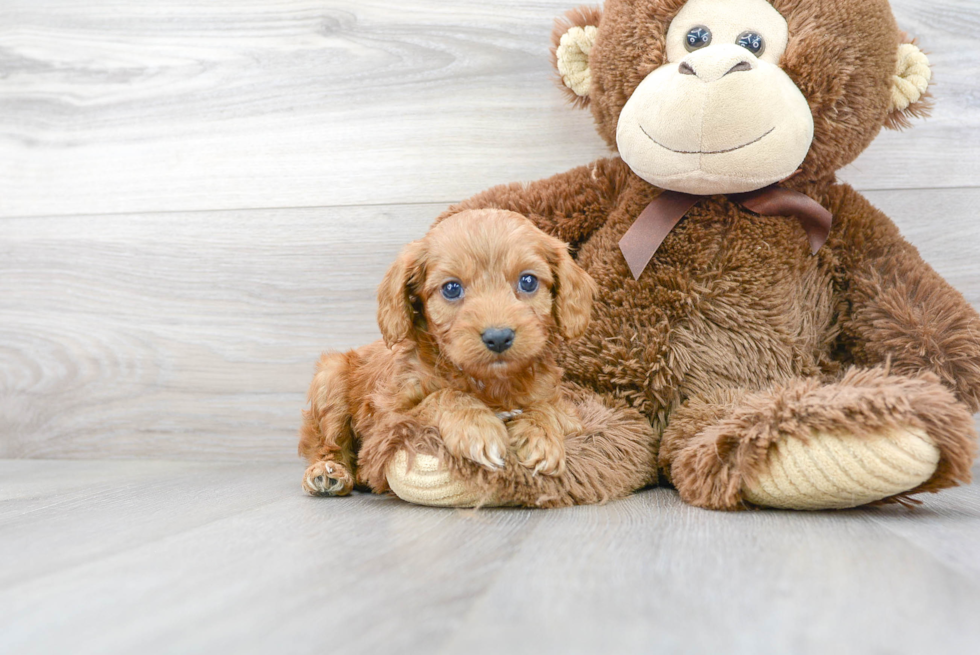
pixel 654 223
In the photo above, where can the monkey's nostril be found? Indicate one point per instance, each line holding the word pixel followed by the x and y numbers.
pixel 740 66
pixel 685 69
pixel 498 340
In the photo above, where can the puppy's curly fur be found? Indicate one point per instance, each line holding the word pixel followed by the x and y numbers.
pixel 438 368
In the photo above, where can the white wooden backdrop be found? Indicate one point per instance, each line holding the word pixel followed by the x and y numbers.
pixel 196 198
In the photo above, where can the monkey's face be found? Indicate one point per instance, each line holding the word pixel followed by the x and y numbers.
pixel 723 96
pixel 720 116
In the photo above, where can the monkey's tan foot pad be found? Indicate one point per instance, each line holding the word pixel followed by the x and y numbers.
pixel 429 483
pixel 834 471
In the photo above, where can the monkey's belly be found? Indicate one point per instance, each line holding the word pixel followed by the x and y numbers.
pixel 724 315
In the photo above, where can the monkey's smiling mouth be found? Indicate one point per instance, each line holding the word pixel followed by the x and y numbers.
pixel 707 152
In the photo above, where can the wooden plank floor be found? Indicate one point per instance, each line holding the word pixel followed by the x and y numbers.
pixel 164 557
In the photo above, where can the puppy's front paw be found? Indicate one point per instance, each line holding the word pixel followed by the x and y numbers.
pixel 475 435
pixel 328 478
pixel 538 449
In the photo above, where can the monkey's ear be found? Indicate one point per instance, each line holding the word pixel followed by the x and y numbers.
pixel 571 44
pixel 573 290
pixel 910 87
pixel 396 294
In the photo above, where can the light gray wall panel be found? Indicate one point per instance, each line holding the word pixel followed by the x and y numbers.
pixel 119 106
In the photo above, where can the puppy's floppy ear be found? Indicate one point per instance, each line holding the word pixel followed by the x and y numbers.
pixel 573 290
pixel 397 294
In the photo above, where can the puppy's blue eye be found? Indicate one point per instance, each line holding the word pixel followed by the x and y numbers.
pixel 452 290
pixel 698 37
pixel 528 283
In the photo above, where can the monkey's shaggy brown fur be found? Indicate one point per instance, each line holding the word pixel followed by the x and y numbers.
pixel 735 336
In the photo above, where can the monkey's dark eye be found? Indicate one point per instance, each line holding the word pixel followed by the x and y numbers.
pixel 752 42
pixel 528 283
pixel 452 290
pixel 698 37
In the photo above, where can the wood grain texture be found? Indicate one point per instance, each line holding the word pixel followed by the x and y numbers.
pixel 193 335
pixel 120 106
pixel 182 333
pixel 164 557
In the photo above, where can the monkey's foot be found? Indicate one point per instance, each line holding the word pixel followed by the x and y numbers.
pixel 429 482
pixel 828 471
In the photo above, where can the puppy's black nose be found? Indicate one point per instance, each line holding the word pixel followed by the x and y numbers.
pixel 498 340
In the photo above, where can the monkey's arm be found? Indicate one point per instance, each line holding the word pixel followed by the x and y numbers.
pixel 570 205
pixel 895 307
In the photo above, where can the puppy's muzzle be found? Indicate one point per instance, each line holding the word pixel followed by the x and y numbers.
pixel 498 340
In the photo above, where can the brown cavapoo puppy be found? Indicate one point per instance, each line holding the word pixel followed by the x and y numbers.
pixel 470 315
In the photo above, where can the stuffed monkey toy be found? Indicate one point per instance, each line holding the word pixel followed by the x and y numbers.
pixel 787 347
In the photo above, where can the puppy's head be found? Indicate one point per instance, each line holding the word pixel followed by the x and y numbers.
pixel 489 288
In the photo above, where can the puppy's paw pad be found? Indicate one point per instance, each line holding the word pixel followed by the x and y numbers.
pixel 541 453
pixel 489 454
pixel 482 440
pixel 551 462
pixel 327 478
